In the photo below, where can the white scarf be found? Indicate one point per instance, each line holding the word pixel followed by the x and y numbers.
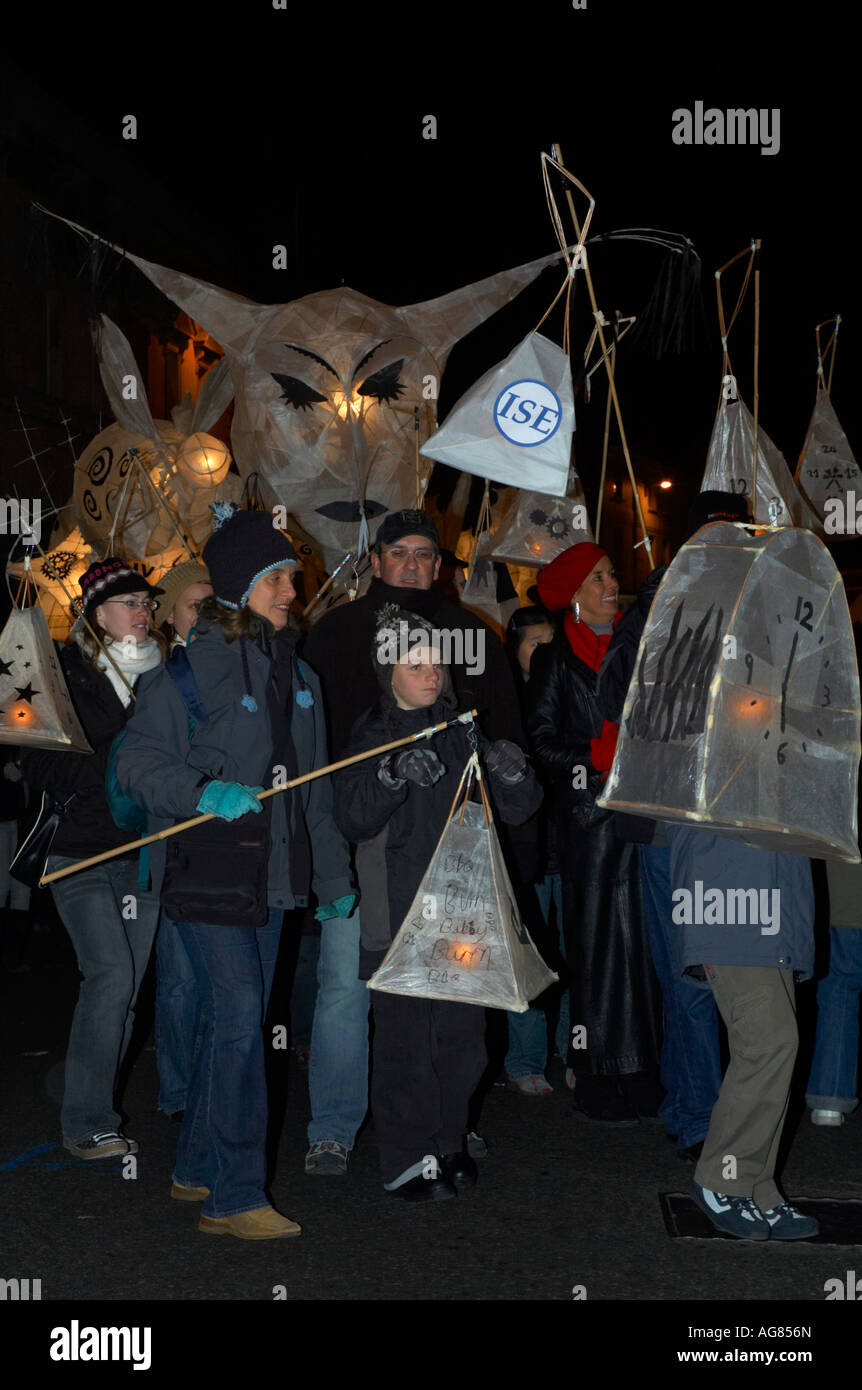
pixel 147 655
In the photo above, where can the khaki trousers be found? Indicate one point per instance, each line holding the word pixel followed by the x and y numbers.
pixel 740 1150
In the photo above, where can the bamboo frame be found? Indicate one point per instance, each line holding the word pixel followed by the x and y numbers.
pixel 467 716
pixel 581 260
pixel 827 353
pixel 725 326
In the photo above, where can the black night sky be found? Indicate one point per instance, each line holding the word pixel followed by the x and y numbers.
pixel 303 126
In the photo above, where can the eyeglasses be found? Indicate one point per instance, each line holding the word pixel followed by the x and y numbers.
pixel 150 604
pixel 400 552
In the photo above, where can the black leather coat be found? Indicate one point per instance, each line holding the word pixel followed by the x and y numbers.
pixel 614 990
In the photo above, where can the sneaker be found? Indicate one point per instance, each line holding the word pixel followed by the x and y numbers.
pixel 108 1144
pixel 827 1117
pixel 531 1085
pixel 327 1159
pixel 786 1223
pixel 476 1146
pixel 737 1216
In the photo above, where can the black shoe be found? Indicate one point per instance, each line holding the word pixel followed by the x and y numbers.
pixel 421 1189
pixel 460 1169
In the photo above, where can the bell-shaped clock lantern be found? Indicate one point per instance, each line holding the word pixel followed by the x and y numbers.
pixel 742 715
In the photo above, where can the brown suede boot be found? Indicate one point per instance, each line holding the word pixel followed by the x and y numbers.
pixel 264 1223
pixel 188 1194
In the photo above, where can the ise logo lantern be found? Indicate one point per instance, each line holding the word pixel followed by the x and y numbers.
pixel 36 710
pixel 742 715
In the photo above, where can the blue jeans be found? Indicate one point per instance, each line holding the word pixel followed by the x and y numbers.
pixel 338 1065
pixel 528 1032
pixel 223 1137
pixel 832 1083
pixel 178 1017
pixel 111 925
pixel 690 1059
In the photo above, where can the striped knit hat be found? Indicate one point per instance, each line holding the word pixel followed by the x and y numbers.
pixel 109 578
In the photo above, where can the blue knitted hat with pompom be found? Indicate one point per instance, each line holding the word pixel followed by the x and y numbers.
pixel 243 546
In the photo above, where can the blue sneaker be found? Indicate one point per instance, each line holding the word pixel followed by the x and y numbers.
pixel 736 1216
pixel 786 1223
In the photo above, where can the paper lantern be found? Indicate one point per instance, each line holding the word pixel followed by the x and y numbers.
pixel 326 388
pixel 61 569
pixel 463 938
pixel 742 715
pixel 515 425
pixel 106 494
pixel 536 527
pixel 204 458
pixel 828 473
pixel 36 710
pixel 730 466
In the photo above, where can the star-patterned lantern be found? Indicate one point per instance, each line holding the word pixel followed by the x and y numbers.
pixel 36 710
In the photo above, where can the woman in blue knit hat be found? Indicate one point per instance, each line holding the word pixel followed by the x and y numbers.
pixel 231 714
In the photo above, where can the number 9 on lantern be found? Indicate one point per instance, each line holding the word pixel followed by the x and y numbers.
pixel 742 715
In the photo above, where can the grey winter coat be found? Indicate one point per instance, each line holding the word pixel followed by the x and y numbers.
pixel 164 768
pixel 782 936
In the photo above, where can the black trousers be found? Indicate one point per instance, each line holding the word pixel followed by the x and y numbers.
pixel 614 991
pixel 427 1058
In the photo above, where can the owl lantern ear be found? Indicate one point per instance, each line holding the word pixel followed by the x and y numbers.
pixel 123 380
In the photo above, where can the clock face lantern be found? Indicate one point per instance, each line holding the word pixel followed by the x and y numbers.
pixel 742 715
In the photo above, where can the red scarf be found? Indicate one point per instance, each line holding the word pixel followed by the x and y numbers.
pixel 590 647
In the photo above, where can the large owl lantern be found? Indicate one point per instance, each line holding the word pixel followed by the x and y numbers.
pixel 331 390
pixel 742 715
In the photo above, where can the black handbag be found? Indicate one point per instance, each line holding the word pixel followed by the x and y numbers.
pixel 29 864
pixel 217 872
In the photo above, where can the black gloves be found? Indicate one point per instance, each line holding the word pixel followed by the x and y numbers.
pixel 419 765
pixel 506 761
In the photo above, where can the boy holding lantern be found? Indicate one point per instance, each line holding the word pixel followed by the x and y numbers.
pixel 428 1053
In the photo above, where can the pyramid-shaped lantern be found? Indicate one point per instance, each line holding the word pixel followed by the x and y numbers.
pixel 36 710
pixel 730 466
pixel 828 474
pixel 537 527
pixel 742 715
pixel 463 938
pixel 515 425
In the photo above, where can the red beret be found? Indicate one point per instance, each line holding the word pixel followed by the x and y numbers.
pixel 561 579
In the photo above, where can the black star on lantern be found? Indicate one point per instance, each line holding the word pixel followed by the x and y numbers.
pixel 19 647
pixel 27 692
pixel 5 667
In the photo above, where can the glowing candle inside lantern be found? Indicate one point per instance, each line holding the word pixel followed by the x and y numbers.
pixel 205 457
pixel 22 715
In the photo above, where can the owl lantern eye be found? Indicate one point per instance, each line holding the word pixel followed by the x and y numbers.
pixel 384 385
pixel 297 393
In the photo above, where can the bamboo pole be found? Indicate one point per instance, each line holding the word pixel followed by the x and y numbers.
pixel 605 443
pixel 466 717
pixel 601 322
